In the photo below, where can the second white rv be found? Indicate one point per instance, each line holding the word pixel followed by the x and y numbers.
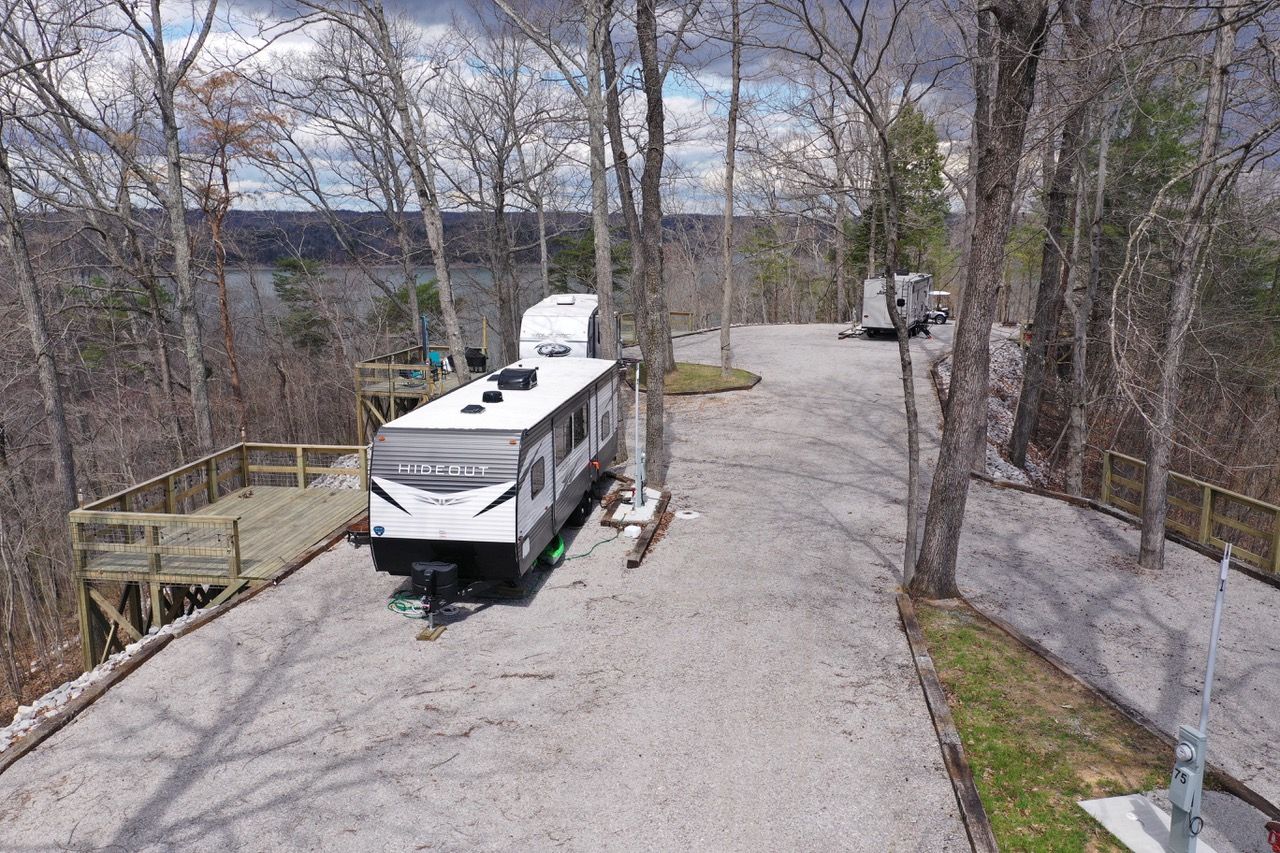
pixel 913 304
pixel 565 324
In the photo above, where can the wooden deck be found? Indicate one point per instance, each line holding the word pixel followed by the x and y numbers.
pixel 196 536
pixel 275 524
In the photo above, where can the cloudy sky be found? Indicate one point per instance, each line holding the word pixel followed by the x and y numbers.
pixel 695 93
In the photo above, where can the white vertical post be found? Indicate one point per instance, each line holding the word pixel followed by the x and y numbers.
pixel 637 499
pixel 1213 639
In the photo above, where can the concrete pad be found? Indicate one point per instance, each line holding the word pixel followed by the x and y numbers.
pixel 629 513
pixel 1141 822
pixel 1136 823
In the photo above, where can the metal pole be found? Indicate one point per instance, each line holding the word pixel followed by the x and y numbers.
pixel 638 499
pixel 1213 639
pixel 1191 755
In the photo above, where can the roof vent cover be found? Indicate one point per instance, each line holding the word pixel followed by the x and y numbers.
pixel 518 378
pixel 472 409
pixel 491 396
pixel 565 299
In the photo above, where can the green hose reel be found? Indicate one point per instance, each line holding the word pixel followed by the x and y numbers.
pixel 554 552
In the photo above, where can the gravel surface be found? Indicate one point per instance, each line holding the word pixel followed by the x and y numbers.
pixel 1068 578
pixel 747 688
pixel 27 717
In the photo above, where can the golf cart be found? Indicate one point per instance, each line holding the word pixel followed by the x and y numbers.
pixel 940 311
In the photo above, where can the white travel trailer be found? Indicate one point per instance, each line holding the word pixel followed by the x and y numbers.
pixel 483 478
pixel 566 324
pixel 913 304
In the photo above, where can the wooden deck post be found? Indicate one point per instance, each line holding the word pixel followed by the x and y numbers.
pixel 157 605
pixel 1106 477
pixel 359 408
pixel 364 470
pixel 151 537
pixel 211 477
pixel 170 505
pixel 302 466
pixel 244 465
pixel 1275 541
pixel 1206 513
pixel 86 636
pixel 233 560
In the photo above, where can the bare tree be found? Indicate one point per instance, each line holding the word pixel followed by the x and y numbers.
pixel 1011 34
pixel 390 42
pixel 494 111
pixel 730 153
pixel 579 61
pixel 227 124
pixel 655 337
pixel 1054 269
pixel 15 244
pixel 1211 175
pixel 1081 305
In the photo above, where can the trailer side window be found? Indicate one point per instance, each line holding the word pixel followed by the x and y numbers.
pixel 580 425
pixel 537 477
pixel 571 432
pixel 564 429
pixel 606 423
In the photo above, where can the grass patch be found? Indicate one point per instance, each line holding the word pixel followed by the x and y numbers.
pixel 1037 741
pixel 690 378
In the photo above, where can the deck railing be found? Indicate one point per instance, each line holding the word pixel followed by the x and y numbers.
pixel 154 518
pixel 1200 511
pixel 681 321
pixel 403 373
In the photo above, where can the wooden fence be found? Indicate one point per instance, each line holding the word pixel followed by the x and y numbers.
pixel 1200 511
pixel 681 321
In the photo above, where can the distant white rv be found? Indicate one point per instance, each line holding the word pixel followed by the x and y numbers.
pixel 913 304
pixel 565 324
pixel 484 477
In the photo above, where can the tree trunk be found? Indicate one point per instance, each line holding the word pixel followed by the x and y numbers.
pixel 183 277
pixel 622 171
pixel 1054 272
pixel 1182 294
pixel 544 256
pixel 840 253
pixel 55 415
pixel 1017 47
pixel 504 280
pixel 1082 311
pixel 656 338
pixel 597 18
pixel 891 264
pixel 422 174
pixel 730 156
pixel 224 308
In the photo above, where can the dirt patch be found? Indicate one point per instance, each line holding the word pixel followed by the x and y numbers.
pixel 663 524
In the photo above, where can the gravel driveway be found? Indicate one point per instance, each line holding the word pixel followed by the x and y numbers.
pixel 747 688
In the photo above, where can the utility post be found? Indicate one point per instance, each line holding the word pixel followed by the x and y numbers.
pixel 637 499
pixel 1190 755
